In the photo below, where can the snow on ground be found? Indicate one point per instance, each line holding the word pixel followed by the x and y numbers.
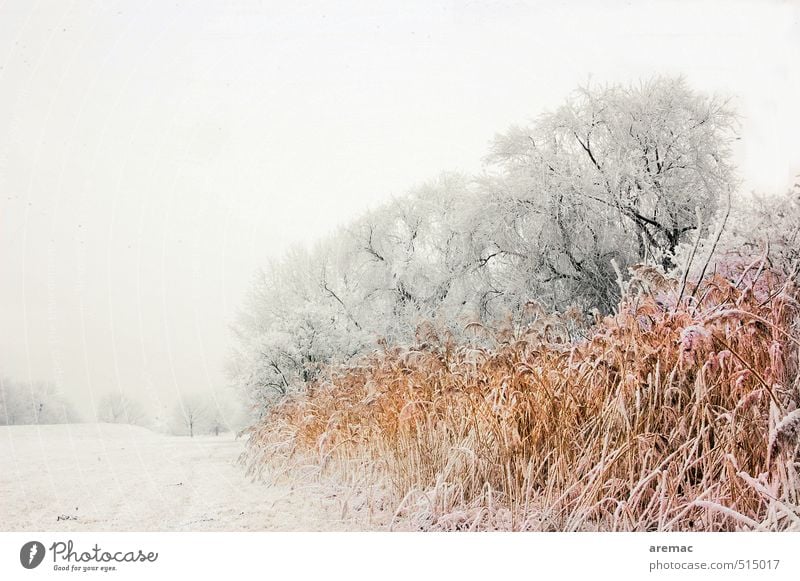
pixel 105 477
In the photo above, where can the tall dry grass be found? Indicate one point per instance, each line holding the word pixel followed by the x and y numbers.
pixel 678 413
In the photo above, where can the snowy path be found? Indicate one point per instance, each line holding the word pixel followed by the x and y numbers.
pixel 101 477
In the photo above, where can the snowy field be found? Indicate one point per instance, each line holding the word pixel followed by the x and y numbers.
pixel 104 477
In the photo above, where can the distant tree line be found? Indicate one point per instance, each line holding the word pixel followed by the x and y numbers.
pixel 192 414
pixel 24 402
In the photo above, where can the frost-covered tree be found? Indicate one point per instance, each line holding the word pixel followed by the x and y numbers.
pixel 760 229
pixel 191 415
pixel 616 173
pixel 119 408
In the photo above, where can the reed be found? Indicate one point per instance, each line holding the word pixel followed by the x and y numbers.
pixel 679 412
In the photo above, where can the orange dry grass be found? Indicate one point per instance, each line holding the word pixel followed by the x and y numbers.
pixel 670 417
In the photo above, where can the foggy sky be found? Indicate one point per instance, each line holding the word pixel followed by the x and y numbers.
pixel 153 155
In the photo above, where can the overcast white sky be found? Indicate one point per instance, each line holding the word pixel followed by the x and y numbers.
pixel 154 154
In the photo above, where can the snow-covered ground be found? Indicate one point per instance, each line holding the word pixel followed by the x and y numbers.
pixel 104 477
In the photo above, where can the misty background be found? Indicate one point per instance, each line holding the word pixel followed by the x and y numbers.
pixel 153 157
